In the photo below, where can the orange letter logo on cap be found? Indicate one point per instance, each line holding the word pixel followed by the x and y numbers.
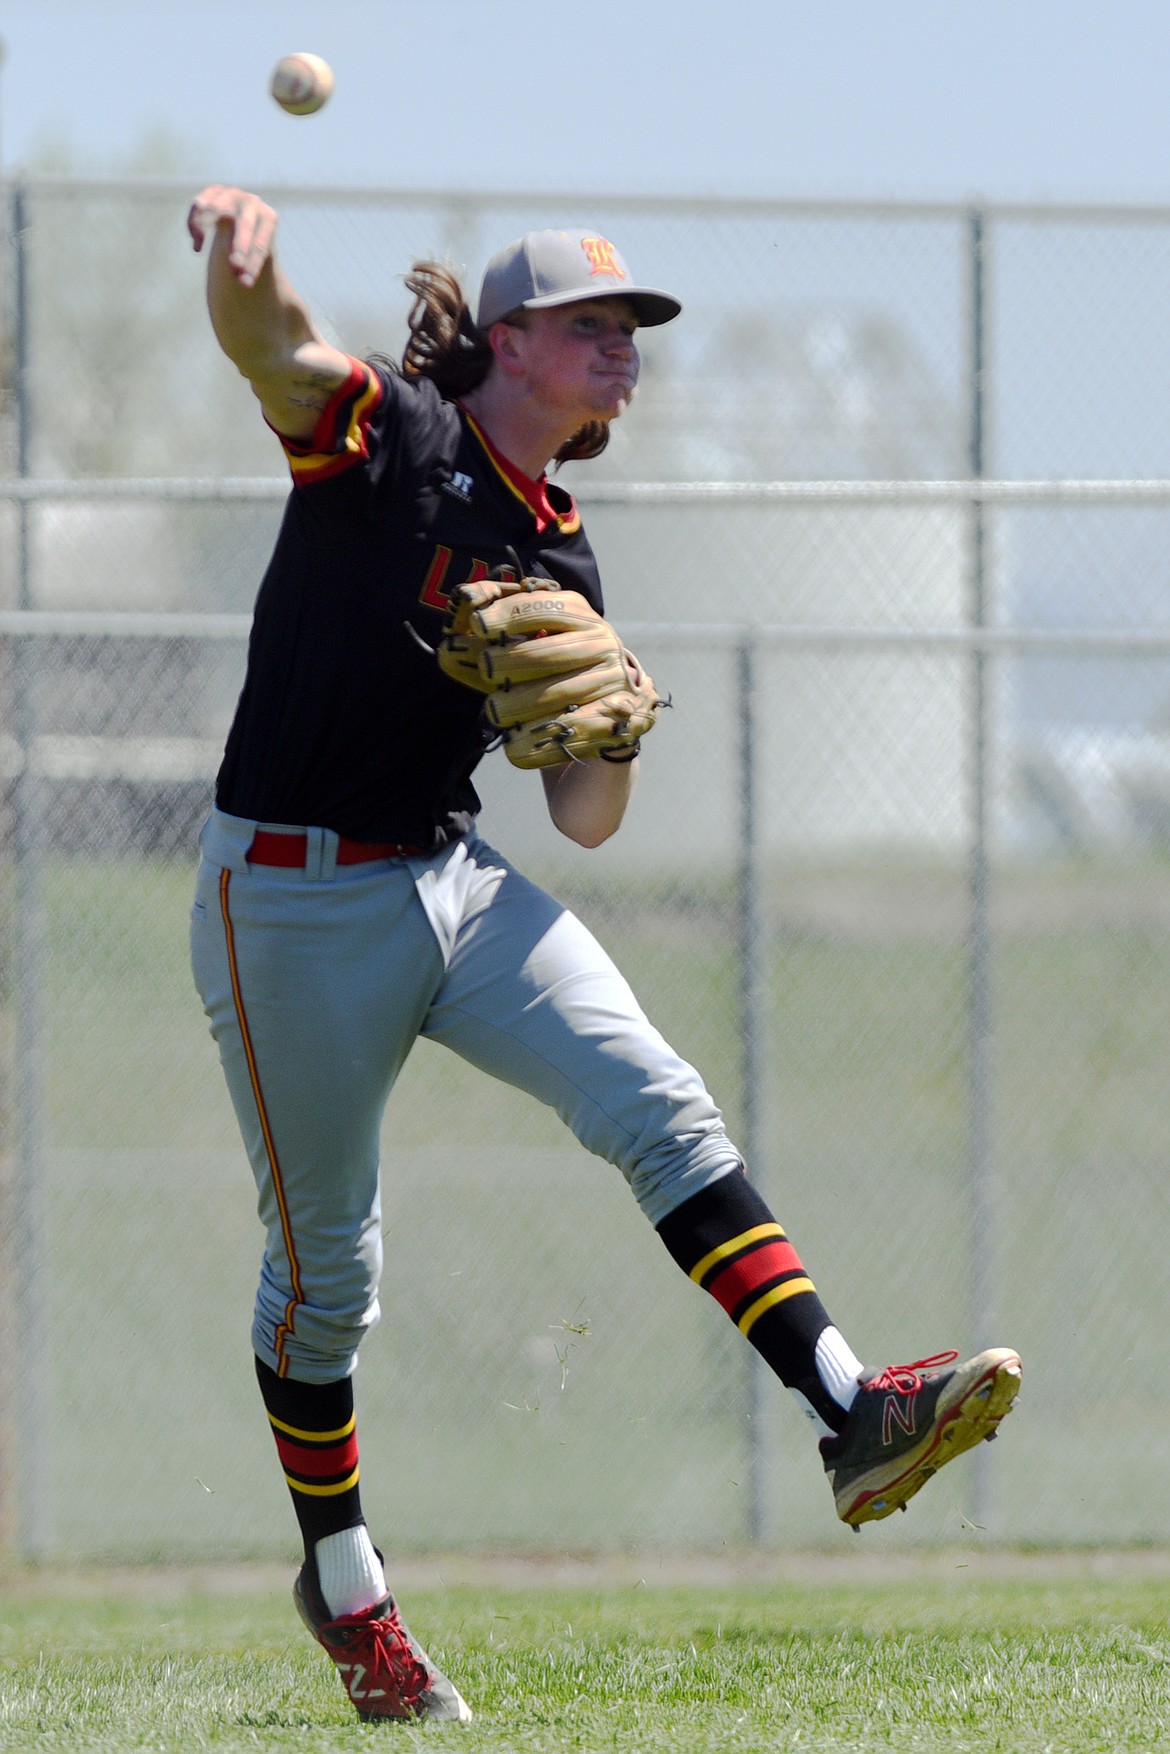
pixel 602 257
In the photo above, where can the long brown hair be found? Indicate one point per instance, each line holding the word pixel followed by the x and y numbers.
pixel 446 347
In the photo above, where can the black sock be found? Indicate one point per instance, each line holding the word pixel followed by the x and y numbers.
pixel 316 1440
pixel 726 1239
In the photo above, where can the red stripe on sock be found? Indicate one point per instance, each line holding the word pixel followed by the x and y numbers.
pixel 750 1271
pixel 318 1464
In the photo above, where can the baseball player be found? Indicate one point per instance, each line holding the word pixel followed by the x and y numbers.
pixel 346 903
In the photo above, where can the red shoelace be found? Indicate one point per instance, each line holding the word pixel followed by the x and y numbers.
pixel 387 1673
pixel 905 1378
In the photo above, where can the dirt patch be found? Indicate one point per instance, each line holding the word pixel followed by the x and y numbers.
pixel 538 1571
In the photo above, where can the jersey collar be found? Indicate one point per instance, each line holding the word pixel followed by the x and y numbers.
pixel 538 495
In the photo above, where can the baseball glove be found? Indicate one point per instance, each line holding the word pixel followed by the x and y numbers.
pixel 560 684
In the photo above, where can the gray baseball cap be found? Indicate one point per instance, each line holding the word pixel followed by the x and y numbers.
pixel 545 268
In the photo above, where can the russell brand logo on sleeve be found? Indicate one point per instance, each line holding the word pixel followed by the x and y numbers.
pixel 459 486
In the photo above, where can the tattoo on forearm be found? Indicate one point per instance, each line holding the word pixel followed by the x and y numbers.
pixel 312 390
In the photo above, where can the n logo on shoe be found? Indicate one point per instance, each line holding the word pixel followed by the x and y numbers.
pixel 355 1674
pixel 899 1410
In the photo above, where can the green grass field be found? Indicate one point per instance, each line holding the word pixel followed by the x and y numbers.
pixel 1068 1655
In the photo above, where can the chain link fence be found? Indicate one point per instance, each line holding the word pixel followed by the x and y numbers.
pixel 891 519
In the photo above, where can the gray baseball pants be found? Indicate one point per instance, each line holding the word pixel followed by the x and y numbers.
pixel 317 981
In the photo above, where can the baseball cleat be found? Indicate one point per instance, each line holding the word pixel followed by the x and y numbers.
pixel 386 1671
pixel 910 1420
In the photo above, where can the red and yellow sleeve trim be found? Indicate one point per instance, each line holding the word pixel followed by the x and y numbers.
pixel 340 438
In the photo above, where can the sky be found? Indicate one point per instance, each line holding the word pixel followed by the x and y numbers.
pixel 939 100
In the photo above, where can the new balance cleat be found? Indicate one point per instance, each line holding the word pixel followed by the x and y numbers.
pixel 910 1420
pixel 386 1671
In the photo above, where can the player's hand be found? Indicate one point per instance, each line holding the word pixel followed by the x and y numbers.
pixel 252 222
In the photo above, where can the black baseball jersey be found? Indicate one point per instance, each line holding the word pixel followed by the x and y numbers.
pixel 345 720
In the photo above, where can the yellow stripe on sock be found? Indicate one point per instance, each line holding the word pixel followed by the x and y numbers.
pixel 778 1294
pixel 324 1491
pixel 703 1267
pixel 315 1436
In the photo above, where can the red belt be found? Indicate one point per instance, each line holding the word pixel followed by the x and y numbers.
pixel 290 850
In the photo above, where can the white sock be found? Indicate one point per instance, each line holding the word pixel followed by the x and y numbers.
pixel 349 1571
pixel 838 1367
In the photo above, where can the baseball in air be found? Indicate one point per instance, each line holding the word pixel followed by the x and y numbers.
pixel 301 83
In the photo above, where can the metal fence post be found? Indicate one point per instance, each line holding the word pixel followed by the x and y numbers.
pixel 9 1284
pixel 28 1104
pixel 980 1022
pixel 752 1003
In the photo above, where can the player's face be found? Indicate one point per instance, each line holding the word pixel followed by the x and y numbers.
pixel 581 359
